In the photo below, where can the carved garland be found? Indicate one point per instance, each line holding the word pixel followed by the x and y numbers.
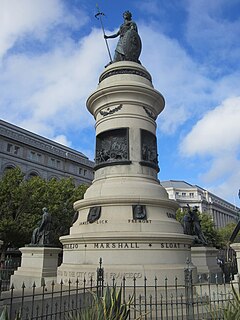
pixel 110 111
pixel 150 113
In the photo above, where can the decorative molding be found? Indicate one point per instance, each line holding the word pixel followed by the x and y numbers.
pixel 110 111
pixel 126 71
pixel 150 113
pixel 112 163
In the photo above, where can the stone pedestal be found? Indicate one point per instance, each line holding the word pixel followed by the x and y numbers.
pixel 205 259
pixel 38 264
pixel 126 217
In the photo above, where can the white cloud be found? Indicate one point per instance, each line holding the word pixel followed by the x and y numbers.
pixel 47 93
pixel 181 81
pixel 150 7
pixel 18 17
pixel 171 119
pixel 212 33
pixel 215 139
pixel 62 140
pixel 228 188
pixel 221 167
pixel 217 132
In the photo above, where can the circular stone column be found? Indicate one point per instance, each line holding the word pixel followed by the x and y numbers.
pixel 126 217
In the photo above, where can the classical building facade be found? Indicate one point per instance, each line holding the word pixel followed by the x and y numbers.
pixel 185 193
pixel 38 156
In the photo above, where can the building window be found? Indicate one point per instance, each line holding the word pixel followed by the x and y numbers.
pixel 53 163
pixel 85 172
pixel 33 155
pixel 39 157
pixel 183 194
pixel 80 171
pixel 58 164
pixel 16 149
pixel 32 175
pixel 13 149
pixel 191 195
pixel 9 147
pixel 9 167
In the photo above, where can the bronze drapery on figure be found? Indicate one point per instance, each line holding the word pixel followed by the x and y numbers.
pixel 42 235
pixel 192 226
pixel 129 44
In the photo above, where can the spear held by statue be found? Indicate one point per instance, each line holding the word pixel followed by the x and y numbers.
pixel 99 15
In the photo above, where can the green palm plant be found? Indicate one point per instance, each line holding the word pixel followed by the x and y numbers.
pixel 231 311
pixel 4 315
pixel 108 307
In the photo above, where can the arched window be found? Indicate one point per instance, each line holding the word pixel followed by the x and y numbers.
pixel 53 177
pixel 9 167
pixel 32 174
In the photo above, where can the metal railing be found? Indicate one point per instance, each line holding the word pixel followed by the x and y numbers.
pixel 155 300
pixel 7 269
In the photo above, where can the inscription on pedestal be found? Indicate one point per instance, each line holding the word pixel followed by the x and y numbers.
pixel 139 221
pixel 126 245
pixel 108 275
pixel 120 245
pixel 97 222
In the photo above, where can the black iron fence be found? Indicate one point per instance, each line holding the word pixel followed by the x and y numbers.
pixel 227 261
pixel 7 268
pixel 175 301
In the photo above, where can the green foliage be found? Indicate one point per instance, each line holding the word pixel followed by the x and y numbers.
pixel 180 214
pixel 109 307
pixel 4 315
pixel 226 233
pixel 210 232
pixel 231 311
pixel 21 203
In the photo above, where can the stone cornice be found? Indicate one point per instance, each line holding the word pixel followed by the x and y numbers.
pixel 38 142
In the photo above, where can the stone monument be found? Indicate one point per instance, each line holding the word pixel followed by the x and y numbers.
pixel 39 258
pixel 204 257
pixel 126 217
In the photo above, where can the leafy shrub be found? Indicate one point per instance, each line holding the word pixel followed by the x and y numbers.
pixel 4 315
pixel 231 311
pixel 108 307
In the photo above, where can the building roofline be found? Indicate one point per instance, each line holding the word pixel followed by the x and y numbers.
pixel 41 138
pixel 183 181
pixel 203 189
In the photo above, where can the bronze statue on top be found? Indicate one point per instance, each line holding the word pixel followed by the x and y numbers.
pixel 129 44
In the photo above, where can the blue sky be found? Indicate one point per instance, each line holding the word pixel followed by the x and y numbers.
pixel 52 53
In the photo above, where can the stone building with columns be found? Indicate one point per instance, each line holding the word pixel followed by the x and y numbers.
pixel 38 156
pixel 185 193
